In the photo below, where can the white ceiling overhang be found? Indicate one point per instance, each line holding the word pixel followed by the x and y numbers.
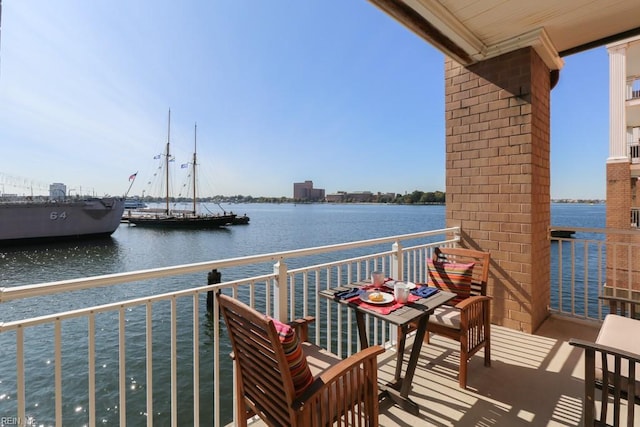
pixel 475 30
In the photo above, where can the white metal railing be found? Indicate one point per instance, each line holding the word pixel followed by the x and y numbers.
pixel 89 344
pixel 158 343
pixel 635 217
pixel 634 152
pixel 588 262
pixel 633 88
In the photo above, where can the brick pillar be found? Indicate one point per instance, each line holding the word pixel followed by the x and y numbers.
pixel 618 195
pixel 497 177
pixel 621 193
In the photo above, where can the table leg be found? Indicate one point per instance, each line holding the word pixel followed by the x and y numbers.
pixel 415 355
pixel 402 340
pixel 362 329
pixel 398 391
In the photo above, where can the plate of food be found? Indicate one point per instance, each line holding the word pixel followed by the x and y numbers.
pixel 376 297
pixel 390 284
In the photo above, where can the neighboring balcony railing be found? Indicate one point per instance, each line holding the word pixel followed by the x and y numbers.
pixel 587 263
pixel 634 152
pixel 633 88
pixel 163 358
pixel 635 217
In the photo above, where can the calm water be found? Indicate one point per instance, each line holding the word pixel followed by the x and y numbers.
pixel 587 256
pixel 273 228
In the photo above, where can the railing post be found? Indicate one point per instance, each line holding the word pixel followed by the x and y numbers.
pixel 280 291
pixel 635 217
pixel 213 277
pixel 397 262
pixel 397 272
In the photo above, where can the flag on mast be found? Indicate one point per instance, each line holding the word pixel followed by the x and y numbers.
pixel 133 176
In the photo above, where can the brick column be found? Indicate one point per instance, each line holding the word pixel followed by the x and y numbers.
pixel 623 272
pixel 497 177
pixel 618 195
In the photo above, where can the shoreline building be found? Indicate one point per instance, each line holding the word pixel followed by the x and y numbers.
pixel 352 197
pixel 623 163
pixel 338 197
pixel 305 191
pixel 57 191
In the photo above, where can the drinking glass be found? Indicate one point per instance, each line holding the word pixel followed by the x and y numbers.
pixel 401 292
pixel 377 279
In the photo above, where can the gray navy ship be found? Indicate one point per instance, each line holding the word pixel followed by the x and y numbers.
pixel 57 217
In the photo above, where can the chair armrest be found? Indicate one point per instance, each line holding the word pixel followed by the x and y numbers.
pixel 302 327
pixel 618 381
pixel 366 359
pixel 618 305
pixel 466 304
pixel 474 311
pixel 345 365
pixel 592 346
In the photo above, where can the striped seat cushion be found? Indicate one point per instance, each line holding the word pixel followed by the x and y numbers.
pixel 452 277
pixel 300 372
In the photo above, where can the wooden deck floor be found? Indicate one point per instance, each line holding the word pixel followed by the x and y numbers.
pixel 534 380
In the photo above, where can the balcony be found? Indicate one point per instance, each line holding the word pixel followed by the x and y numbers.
pixel 153 354
pixel 633 89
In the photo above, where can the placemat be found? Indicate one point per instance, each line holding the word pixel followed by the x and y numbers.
pixel 382 308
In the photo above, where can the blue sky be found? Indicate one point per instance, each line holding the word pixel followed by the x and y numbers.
pixel 330 91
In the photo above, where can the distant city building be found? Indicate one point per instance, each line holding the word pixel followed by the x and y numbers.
pixel 338 197
pixel 356 196
pixel 305 191
pixel 57 191
pixel 360 196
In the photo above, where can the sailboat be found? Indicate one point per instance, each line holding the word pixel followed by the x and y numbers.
pixel 183 219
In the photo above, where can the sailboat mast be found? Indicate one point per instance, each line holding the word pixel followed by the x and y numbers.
pixel 195 131
pixel 166 160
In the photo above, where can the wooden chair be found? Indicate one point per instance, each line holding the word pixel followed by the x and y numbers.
pixel 467 321
pixel 611 366
pixel 622 306
pixel 340 392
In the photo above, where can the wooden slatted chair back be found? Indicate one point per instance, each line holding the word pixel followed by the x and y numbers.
pixel 265 380
pixel 271 374
pixel 462 255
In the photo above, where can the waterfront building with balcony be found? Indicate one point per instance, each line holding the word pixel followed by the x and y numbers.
pixel 623 163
